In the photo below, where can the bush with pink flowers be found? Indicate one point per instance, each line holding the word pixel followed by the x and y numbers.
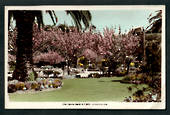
pixel 37 85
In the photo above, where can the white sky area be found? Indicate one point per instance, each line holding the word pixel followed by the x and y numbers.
pixel 126 19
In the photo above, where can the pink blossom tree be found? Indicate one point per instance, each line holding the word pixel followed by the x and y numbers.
pixel 116 47
pixel 69 45
pixel 51 57
pixel 52 43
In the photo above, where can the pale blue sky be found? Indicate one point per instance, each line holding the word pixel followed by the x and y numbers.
pixel 110 18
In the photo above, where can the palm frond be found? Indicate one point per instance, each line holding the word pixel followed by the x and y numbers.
pixel 54 15
pixel 51 15
pixel 157 16
pixel 76 18
pixel 155 22
pixel 80 15
pixel 86 18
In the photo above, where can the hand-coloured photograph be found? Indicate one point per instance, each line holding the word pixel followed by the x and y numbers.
pixel 85 57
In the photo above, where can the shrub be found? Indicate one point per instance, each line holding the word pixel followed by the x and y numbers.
pixel 50 82
pixel 38 79
pixel 28 85
pixel 20 85
pixel 57 83
pixel 11 88
pixel 155 83
pixel 38 85
pixel 94 75
pixel 31 77
pixel 127 78
pixel 12 68
pixel 150 94
pixel 50 85
pixel 141 96
pixel 122 73
pixel 44 81
pixel 142 78
pixel 139 93
pixel 34 85
pixel 153 54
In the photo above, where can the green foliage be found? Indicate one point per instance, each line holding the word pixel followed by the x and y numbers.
pixel 12 68
pixel 57 83
pixel 155 82
pixel 155 22
pixel 121 73
pixel 153 53
pixel 94 75
pixel 11 63
pixel 20 85
pixel 127 78
pixel 11 88
pixel 45 82
pixel 31 77
pixel 80 16
pixel 34 85
pixel 50 85
pixel 141 78
pixel 84 61
pixel 150 94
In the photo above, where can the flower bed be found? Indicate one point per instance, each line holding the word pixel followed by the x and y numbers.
pixel 38 85
pixel 136 79
pixel 150 94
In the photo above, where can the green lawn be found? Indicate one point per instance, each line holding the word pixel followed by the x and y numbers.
pixel 90 89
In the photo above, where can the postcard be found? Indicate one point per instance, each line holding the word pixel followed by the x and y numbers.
pixel 85 57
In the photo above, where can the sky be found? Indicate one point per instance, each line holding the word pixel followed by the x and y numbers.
pixel 126 19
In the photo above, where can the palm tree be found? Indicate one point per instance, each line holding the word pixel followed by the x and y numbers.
pixel 155 22
pixel 24 23
pixel 80 16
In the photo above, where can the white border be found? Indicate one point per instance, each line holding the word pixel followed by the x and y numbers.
pixel 92 105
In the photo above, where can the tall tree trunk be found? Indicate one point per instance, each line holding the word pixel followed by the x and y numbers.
pixel 24 24
pixel 128 66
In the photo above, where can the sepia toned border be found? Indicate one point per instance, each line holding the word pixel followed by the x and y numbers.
pixel 88 105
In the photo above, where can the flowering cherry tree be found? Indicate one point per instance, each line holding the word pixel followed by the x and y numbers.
pixel 118 47
pixel 55 45
pixel 69 45
pixel 51 57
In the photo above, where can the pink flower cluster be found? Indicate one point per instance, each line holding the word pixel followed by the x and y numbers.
pixel 52 57
pixel 56 45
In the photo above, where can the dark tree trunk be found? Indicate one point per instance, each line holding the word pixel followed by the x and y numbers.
pixel 109 70
pixel 128 64
pixel 24 24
